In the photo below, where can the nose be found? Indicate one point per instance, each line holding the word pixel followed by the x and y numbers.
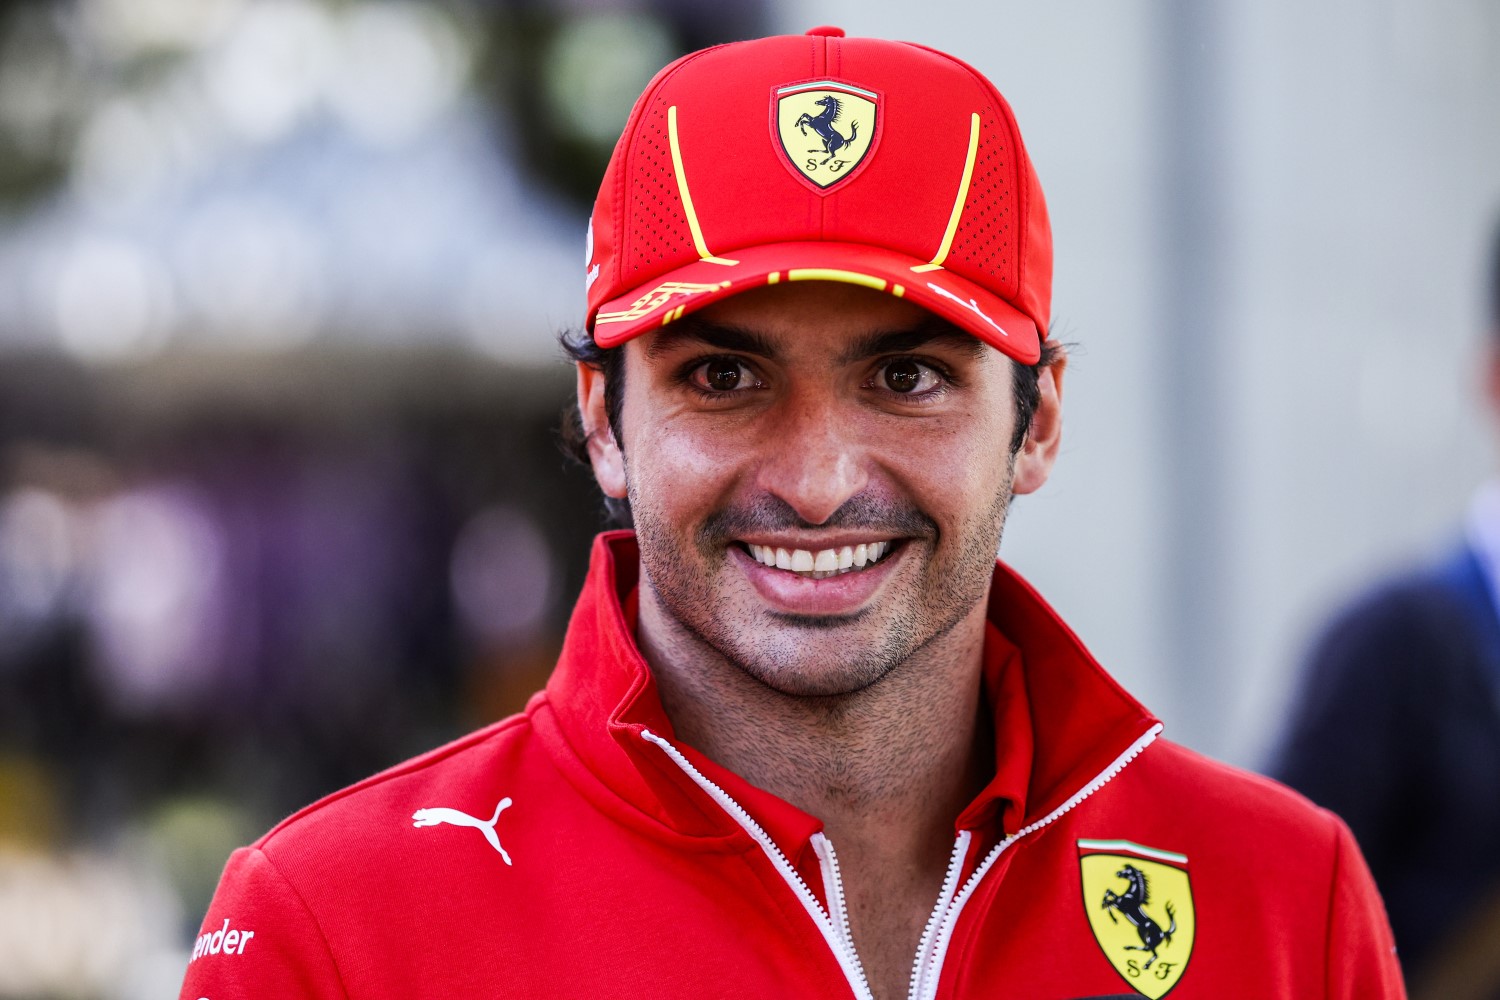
pixel 814 459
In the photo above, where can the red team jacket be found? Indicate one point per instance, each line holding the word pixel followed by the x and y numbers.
pixel 577 850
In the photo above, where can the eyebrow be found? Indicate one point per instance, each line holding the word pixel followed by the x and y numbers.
pixel 739 340
pixel 734 339
pixel 929 331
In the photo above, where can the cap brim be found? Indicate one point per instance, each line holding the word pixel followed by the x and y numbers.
pixel 691 287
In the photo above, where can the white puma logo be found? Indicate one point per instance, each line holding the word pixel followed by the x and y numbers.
pixel 441 814
pixel 970 305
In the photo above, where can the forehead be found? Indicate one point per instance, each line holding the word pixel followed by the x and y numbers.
pixel 840 319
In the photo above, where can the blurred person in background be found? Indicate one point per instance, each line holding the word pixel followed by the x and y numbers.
pixel 815 371
pixel 1397 729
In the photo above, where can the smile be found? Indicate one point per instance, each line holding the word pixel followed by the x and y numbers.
pixel 822 563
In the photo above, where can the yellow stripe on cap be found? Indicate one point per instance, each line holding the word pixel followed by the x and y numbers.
pixel 833 274
pixel 687 199
pixel 958 204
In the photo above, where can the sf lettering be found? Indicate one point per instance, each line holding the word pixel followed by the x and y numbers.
pixel 1161 970
pixel 834 166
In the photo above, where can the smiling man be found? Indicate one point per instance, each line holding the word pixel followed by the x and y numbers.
pixel 806 737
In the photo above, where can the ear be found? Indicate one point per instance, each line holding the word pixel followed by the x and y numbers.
pixel 1039 450
pixel 604 452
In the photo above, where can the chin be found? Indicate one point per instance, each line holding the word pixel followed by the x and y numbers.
pixel 817 685
pixel 810 673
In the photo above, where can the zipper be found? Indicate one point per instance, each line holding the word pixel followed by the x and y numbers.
pixel 928 973
pixel 938 934
pixel 837 937
pixel 833 885
pixel 945 900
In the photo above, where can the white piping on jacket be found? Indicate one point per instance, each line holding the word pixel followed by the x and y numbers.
pixel 930 975
pixel 833 885
pixel 842 950
pixel 933 948
pixel 945 900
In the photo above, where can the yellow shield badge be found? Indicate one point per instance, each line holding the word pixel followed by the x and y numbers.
pixel 826 128
pixel 1139 902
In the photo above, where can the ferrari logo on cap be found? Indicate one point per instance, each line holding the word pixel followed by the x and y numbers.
pixel 826 128
pixel 1139 903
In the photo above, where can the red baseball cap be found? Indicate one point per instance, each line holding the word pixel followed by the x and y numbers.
pixel 820 157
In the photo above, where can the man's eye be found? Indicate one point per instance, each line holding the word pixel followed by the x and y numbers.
pixel 723 375
pixel 908 377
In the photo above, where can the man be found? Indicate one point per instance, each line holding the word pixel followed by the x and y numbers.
pixel 806 738
pixel 1398 731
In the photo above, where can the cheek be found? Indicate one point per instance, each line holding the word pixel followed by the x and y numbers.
pixel 961 461
pixel 676 466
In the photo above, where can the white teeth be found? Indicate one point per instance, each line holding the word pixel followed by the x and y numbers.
pixel 824 562
pixel 766 555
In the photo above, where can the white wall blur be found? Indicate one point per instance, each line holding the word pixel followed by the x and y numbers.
pixel 1270 220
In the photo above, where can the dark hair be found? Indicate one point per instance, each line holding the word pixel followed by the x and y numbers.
pixel 610 361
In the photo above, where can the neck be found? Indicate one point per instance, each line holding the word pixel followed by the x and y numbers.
pixel 887 769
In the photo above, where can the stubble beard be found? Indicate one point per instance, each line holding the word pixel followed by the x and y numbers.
pixel 817 657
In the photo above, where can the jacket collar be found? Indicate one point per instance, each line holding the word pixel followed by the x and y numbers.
pixel 1059 719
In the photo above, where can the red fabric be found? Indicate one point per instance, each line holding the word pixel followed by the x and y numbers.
pixel 628 880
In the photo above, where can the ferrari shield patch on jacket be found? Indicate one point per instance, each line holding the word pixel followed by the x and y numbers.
pixel 1139 902
pixel 826 128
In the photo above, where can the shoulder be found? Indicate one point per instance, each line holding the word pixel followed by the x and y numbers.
pixel 462 775
pixel 1272 874
pixel 1230 810
pixel 1215 783
pixel 1262 859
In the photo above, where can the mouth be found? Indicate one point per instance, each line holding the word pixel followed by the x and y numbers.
pixel 820 564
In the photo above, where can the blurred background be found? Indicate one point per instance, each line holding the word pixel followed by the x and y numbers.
pixel 280 496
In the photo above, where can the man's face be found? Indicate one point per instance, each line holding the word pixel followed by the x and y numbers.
pixel 819 474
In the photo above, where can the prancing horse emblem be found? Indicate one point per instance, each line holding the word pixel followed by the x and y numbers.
pixel 826 128
pixel 1149 887
pixel 1132 905
pixel 823 124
